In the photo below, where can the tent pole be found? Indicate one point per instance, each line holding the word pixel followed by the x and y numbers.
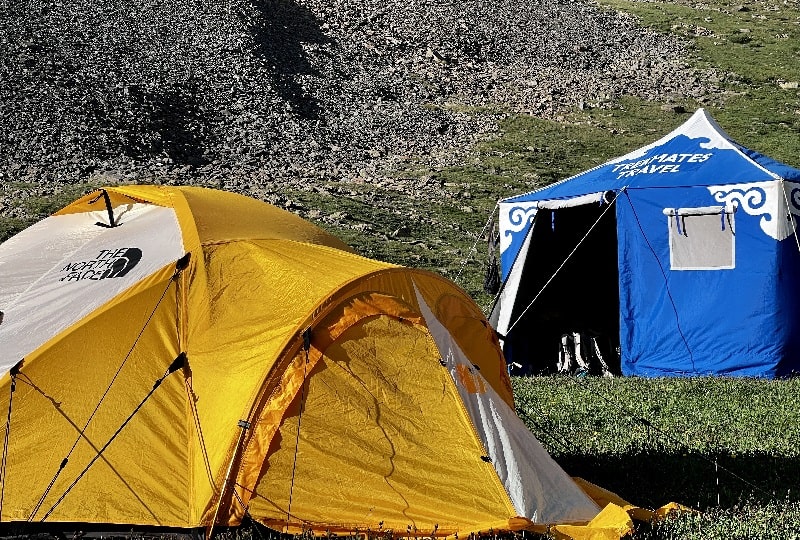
pixel 244 425
pixel 306 348
pixel 3 476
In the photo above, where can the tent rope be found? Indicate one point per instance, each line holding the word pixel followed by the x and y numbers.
pixel 633 418
pixel 13 372
pixel 306 348
pixel 791 217
pixel 666 283
pixel 243 425
pixel 474 249
pixel 179 267
pixel 491 280
pixel 201 439
pixel 563 264
pixel 505 281
pixel 178 363
pixel 247 509
pixel 555 437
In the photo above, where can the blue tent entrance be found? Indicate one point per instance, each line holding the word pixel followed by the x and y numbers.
pixel 680 257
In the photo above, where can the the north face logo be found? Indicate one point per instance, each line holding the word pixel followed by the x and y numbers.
pixel 109 263
pixel 124 263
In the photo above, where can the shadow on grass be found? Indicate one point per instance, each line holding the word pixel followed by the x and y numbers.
pixel 653 479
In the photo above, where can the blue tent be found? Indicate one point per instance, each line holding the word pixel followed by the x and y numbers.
pixel 682 256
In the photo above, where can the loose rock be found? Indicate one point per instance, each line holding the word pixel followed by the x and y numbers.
pixel 262 96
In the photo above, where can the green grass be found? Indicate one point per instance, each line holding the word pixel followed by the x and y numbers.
pixel 758 43
pixel 434 235
pixel 727 447
pixel 759 46
pixel 10 226
pixel 775 520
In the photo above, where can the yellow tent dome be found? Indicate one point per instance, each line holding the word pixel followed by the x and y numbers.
pixel 182 357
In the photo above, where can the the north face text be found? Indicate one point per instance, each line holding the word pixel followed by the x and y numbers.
pixel 109 263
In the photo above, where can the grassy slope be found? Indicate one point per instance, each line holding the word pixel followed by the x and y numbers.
pixel 757 41
pixel 655 440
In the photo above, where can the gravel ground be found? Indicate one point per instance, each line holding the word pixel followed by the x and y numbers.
pixel 260 95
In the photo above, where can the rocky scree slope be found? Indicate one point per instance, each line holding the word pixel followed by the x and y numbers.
pixel 258 96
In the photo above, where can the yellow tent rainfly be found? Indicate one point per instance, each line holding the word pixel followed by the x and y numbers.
pixel 183 357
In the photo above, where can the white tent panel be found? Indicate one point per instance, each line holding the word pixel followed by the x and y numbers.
pixel 538 487
pixel 69 274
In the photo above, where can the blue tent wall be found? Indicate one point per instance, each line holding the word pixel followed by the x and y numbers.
pixel 787 310
pixel 743 321
pixel 736 321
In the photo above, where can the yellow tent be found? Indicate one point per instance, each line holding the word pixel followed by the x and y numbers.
pixel 183 357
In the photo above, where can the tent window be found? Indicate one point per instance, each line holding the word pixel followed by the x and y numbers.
pixel 701 238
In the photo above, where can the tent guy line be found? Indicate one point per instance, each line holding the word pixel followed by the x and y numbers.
pixel 666 284
pixel 474 249
pixel 180 265
pixel 176 364
pixel 13 373
pixel 569 256
pixel 650 425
